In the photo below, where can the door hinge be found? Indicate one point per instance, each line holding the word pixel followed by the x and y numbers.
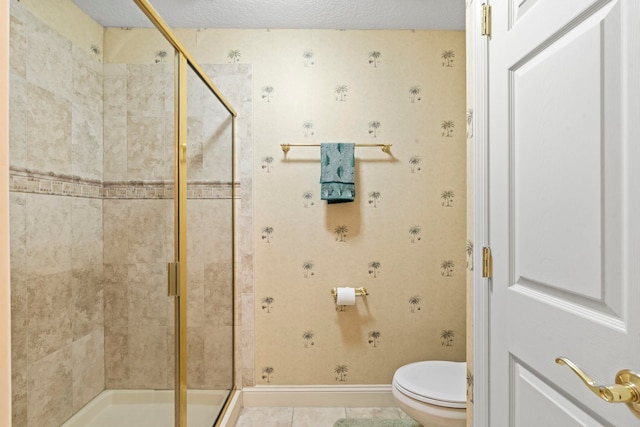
pixel 173 278
pixel 486 20
pixel 487 263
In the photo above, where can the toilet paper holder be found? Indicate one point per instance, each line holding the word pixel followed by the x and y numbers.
pixel 360 292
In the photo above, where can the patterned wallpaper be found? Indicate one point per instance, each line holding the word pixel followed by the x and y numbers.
pixel 404 237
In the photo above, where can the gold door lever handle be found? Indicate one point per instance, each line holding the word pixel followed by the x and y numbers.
pixel 625 390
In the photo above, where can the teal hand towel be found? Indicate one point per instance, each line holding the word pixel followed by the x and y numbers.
pixel 337 172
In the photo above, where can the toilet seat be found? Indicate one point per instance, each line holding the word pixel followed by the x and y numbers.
pixel 436 382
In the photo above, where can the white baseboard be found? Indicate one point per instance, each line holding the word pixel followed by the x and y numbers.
pixel 319 396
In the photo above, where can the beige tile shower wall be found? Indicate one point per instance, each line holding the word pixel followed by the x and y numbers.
pixel 139 328
pixel 210 357
pixel 138 225
pixel 139 215
pixel 56 240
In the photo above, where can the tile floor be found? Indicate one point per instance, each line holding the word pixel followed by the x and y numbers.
pixel 309 417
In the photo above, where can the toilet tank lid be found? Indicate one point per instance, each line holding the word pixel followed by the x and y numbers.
pixel 437 382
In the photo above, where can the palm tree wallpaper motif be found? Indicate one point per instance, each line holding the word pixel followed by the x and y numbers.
pixel 414 301
pixel 307 266
pixel 447 197
pixel 447 128
pixel 469 251
pixel 341 233
pixel 373 198
pixel 307 336
pixel 95 49
pixel 469 122
pixel 266 163
pixel 373 128
pixel 414 91
pixel 470 385
pixel 446 337
pixel 414 161
pixel 374 58
pixel 447 267
pixel 414 232
pixel 341 372
pixel 374 336
pixel 234 56
pixel 307 196
pixel 267 372
pixel 447 58
pixel 374 266
pixel 266 233
pixel 307 126
pixel 266 93
pixel 266 303
pixel 161 56
pixel 341 93
pixel 308 58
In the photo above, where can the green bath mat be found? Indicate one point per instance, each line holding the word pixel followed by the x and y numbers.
pixel 375 422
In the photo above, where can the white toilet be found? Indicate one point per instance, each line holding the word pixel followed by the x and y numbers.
pixel 433 392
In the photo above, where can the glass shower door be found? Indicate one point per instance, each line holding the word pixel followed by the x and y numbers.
pixel 210 215
pixel 201 274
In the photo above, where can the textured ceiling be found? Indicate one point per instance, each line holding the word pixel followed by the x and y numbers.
pixel 290 14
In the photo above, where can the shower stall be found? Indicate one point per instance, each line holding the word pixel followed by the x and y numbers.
pixel 123 208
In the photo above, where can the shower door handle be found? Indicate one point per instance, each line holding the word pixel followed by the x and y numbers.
pixel 183 152
pixel 173 278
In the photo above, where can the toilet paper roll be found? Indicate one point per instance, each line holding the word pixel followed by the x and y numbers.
pixel 346 296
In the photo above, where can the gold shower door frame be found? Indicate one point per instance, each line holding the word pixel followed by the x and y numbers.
pixel 182 61
pixel 180 240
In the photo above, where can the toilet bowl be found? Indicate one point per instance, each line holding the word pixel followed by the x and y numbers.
pixel 432 392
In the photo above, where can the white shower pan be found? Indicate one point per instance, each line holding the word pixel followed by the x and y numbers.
pixel 147 408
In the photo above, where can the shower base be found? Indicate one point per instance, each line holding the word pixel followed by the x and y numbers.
pixel 147 408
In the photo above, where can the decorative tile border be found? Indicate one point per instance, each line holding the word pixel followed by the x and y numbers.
pixel 29 181
pixel 211 190
pixel 137 190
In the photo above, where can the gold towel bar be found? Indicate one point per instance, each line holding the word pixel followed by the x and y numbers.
pixel 386 148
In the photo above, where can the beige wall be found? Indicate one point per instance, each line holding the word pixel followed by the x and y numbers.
pixel 295 76
pixel 375 337
pixel 66 19
pixel 252 47
pixel 5 305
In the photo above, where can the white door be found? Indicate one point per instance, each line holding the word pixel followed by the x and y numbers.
pixel 564 208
